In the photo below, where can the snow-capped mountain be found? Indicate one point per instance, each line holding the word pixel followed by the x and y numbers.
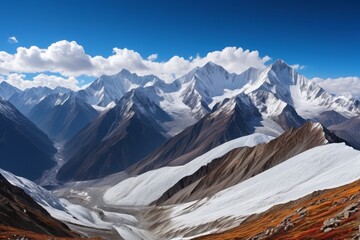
pixel 24 149
pixel 189 110
pixel 7 90
pixel 62 115
pixel 201 86
pixel 25 100
pixel 238 117
pixel 308 98
pixel 198 155
pixel 212 80
pixel 107 89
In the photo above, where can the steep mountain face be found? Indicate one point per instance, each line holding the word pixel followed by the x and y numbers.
pixel 7 90
pixel 25 101
pixel 18 210
pixel 107 89
pixel 61 116
pixel 117 139
pixel 201 87
pixel 275 109
pixel 278 92
pixel 308 98
pixel 243 163
pixel 144 189
pixel 24 149
pixel 234 119
pixel 329 118
pixel 349 130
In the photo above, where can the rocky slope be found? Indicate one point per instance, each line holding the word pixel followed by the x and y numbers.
pixel 18 210
pixel 243 163
pixel 235 119
pixel 322 167
pixel 115 140
pixel 146 188
pixel 349 130
pixel 24 149
pixel 329 118
pixel 326 214
pixel 61 116
pixel 7 90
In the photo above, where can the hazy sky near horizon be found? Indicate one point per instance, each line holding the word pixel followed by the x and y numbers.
pixel 80 40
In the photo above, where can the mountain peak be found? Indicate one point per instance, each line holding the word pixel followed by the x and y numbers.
pixel 280 65
pixel 7 90
pixel 6 84
pixel 124 71
pixel 212 66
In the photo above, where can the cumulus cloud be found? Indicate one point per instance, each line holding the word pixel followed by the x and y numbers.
pixel 51 81
pixel 12 39
pixel 70 59
pixel 297 66
pixel 341 86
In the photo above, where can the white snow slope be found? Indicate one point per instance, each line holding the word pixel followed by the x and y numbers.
pixel 148 187
pixel 60 209
pixel 319 168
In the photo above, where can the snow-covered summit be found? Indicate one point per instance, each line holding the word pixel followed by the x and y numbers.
pixel 308 98
pixel 107 89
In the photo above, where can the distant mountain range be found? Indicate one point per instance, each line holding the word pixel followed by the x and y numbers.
pixel 231 155
pixel 116 114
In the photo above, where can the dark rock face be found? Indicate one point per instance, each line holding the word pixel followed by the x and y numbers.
pixel 349 130
pixel 289 118
pixel 211 131
pixel 24 149
pixel 116 140
pixel 329 118
pixel 19 210
pixel 243 163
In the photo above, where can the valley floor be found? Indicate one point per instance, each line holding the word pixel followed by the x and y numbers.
pixel 325 214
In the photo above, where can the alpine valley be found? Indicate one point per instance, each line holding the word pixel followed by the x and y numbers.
pixel 265 154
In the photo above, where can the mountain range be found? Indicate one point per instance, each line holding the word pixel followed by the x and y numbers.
pixel 212 152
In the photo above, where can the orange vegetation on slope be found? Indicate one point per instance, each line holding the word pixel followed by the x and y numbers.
pixel 15 233
pixel 326 214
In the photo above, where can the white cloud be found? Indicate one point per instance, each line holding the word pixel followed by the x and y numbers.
pixel 51 81
pixel 297 66
pixel 12 39
pixel 152 57
pixel 70 59
pixel 341 86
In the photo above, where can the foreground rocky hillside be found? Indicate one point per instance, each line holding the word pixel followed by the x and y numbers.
pixel 20 213
pixel 325 214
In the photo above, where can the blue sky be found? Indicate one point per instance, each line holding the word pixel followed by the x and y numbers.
pixel 323 36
